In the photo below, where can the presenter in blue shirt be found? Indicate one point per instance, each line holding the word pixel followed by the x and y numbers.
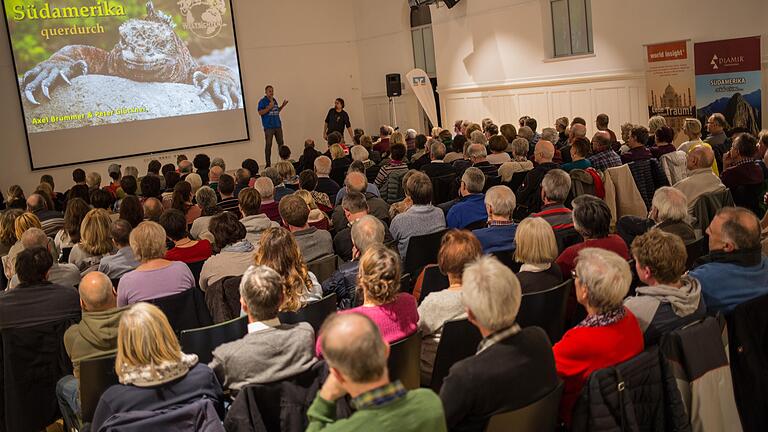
pixel 270 120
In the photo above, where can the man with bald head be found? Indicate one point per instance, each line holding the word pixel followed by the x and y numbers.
pixel 577 130
pixel 735 271
pixel 51 220
pixel 213 177
pixel 60 274
pixel 603 156
pixel 153 208
pixel 357 357
pixel 357 182
pixel 94 336
pixel 701 180
pixel 529 194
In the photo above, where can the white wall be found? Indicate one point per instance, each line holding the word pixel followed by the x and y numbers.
pixel 492 56
pixel 305 48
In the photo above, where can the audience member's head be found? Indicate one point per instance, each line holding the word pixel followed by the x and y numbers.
pixel 732 229
pixel 359 153
pixel 35 237
pixel 716 123
pixel 323 166
pixel 252 166
pixel 472 181
pixel 171 179
pixel 80 191
pixel 7 226
pixel 397 151
pixel 218 162
pixel 334 138
pixel 601 141
pixel 294 212
pixel 745 146
pixel 24 222
pixel 249 201
pixel 638 136
pixel 214 174
pixel 420 141
pixel 308 180
pixel 577 131
pixel 337 152
pixel 201 162
pixel 132 171
pixel 185 167
pixel 167 168
pixel 478 137
pixel 700 157
pixel 266 188
pixel 660 257
pixel 656 122
pixel 379 275
pixel 195 181
pixel 580 148
pixel 128 185
pixel 96 293
pixel 150 186
pixel 500 203
pixel 601 121
pixel 145 340
pixel 78 176
pixel 261 293
pixel 692 128
pixel 591 217
pixel 508 131
pixel 458 248
pixel 182 196
pixel 354 349
pixel 148 241
pixel 36 203
pixel 32 265
pixel 531 123
pixel 121 232
pixel 664 135
pixel 491 293
pixel 602 280
pixel 153 167
pixel 207 201
pixel 578 121
pixel 458 143
pixel 226 230
pixel 356 182
pixel 477 153
pixel 669 204
pixel 94 233
pixel 555 186
pixel 153 208
pixel 544 151
pixel 279 251
pixel 535 242
pixel 520 147
pixel 114 172
pixel 93 180
pixel 174 223
pixel 366 232
pixel 131 210
pixel 419 188
pixel 549 134
pixel 561 124
pixel 437 151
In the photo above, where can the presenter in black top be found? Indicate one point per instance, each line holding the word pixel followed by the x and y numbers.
pixel 269 111
pixel 336 120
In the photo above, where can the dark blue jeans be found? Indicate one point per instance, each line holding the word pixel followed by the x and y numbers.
pixel 68 396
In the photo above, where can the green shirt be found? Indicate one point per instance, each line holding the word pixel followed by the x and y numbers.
pixel 387 410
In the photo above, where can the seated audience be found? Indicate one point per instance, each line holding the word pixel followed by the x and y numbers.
pixel 457 250
pixel 154 373
pixel 422 156
pixel 357 182
pixel 555 188
pixel 529 193
pixel 357 358
pixel 269 206
pixel 518 164
pixel 280 189
pixel 182 200
pixel 669 211
pixel 499 236
pixel 743 175
pixel 16 199
pixel 638 136
pixel 421 218
pixel 207 201
pixel 50 219
pixel 271 351
pixel 155 277
pixel 735 271
pixel 317 218
pixel 21 224
pixel 437 166
pixel 131 210
pixel 363 233
pixel 35 300
pixel 358 167
pixel 278 250
pixel 457 149
pixel 592 220
pixel 226 189
pixel 580 149
pixel 339 163
pixel 235 252
pixel 255 222
pixel 150 186
pixel 395 164
pixel 184 248
pixel 498 147
pixel 478 156
pixel 663 142
pixel 701 180
pixel 122 261
pixel 692 129
pixel 93 337
pixel 355 207
pixel 608 335
pixel 671 299
pixel 536 250
pixel 153 208
pixel 324 183
pixel 8 230
pixel 470 208
pixel 95 241
pixel 308 181
pixel 313 243
pixel 512 368
pixel 603 156
pixel 67 275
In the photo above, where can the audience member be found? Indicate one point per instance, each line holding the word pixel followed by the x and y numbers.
pixel 735 271
pixel 580 149
pixel 470 208
pixel 499 236
pixel 67 275
pixel 601 122
pixel 716 125
pixel 271 351
pixel 131 210
pixel 278 250
pixel 69 235
pixel 280 189
pixel 529 193
pixel 576 131
pixel 518 164
pixel 154 373
pixel 457 149
pixel 357 182
pixel 536 249
pixel 363 233
pixel 592 220
pixel 150 186
pixel 235 252
pixel 437 166
pixel 317 218
pixel 155 277
pixel 8 230
pixel 421 218
pixel 355 207
pixel 457 250
pixel 671 298
pixel 313 243
pixel 603 156
pixel 93 181
pixel 357 358
pixel 226 190
pixel 269 206
pixel 654 124
pixel 207 202
pixel 324 183
pixel 15 198
pixel 50 219
pixel 422 155
pixel 152 208
pixel 669 211
pixel 182 201
pixel 184 248
pixel 692 129
pixel 122 261
pixel 95 241
pixel 701 180
pixel 255 222
pixel 382 145
pixel 93 337
pixel 608 335
pixel 513 367
pixel 308 181
pixel 555 188
pixel 396 164
pixel 478 156
pixel 21 224
pixel 664 136
pixel 743 175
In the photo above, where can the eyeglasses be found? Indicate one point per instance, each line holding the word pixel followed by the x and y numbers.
pixel 574 274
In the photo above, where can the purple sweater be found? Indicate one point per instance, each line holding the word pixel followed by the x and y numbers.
pixel 136 286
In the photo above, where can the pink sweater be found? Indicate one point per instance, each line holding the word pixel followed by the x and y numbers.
pixel 396 320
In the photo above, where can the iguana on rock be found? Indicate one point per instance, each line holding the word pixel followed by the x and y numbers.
pixel 149 50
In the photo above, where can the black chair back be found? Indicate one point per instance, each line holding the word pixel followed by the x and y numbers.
pixel 546 309
pixel 479 224
pixel 459 340
pixel 196 268
pixel 96 376
pixel 64 255
pixel 422 250
pixel 540 416
pixel 323 267
pixel 696 249
pixel 508 259
pixel 491 181
pixel 202 341
pixel 313 313
pixel 405 361
pixel 442 188
pixel 748 196
pixel 516 181
pixel 566 238
pixel 371 173
pixel 433 281
pixel 185 310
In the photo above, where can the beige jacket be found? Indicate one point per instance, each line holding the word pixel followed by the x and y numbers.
pixel 699 181
pixel 622 195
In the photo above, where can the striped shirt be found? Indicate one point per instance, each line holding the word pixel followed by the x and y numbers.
pixel 557 215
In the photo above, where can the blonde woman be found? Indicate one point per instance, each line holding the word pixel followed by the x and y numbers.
pixel 155 277
pixel 21 224
pixel 398 138
pixel 95 240
pixel 8 230
pixel 536 249
pixel 287 172
pixel 279 251
pixel 692 130
pixel 317 218
pixel 154 373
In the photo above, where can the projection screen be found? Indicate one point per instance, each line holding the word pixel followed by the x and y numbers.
pixel 104 79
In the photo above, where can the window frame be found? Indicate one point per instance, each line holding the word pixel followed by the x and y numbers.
pixel 587 24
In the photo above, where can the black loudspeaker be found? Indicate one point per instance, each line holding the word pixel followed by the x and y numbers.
pixel 394 88
pixel 451 3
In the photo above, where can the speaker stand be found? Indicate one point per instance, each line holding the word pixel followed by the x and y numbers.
pixel 392 113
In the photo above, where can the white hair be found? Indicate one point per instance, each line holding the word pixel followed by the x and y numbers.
pixel 476 151
pixel 491 292
pixel 670 203
pixel 478 137
pixel 410 134
pixel 366 232
pixel 502 200
pixel 264 187
pixel 473 179
pixel 606 276
pixel 359 153
pixel 323 165
pixel 556 185
pixel 549 134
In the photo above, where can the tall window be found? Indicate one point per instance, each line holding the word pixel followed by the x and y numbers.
pixel 571 27
pixel 423 43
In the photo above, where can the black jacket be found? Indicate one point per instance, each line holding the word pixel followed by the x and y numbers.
pixel 343 282
pixel 438 169
pixel 508 375
pixel 529 194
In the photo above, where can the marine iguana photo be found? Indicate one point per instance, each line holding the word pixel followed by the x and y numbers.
pixel 149 50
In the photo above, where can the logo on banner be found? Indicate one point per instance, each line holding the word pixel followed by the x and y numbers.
pixel 204 18
pixel 419 80
pixel 726 62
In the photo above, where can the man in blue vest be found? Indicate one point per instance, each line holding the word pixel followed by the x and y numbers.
pixel 270 120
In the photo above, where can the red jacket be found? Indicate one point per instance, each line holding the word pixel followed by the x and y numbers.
pixel 583 350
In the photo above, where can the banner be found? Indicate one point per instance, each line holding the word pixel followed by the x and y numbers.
pixel 728 81
pixel 422 88
pixel 670 83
